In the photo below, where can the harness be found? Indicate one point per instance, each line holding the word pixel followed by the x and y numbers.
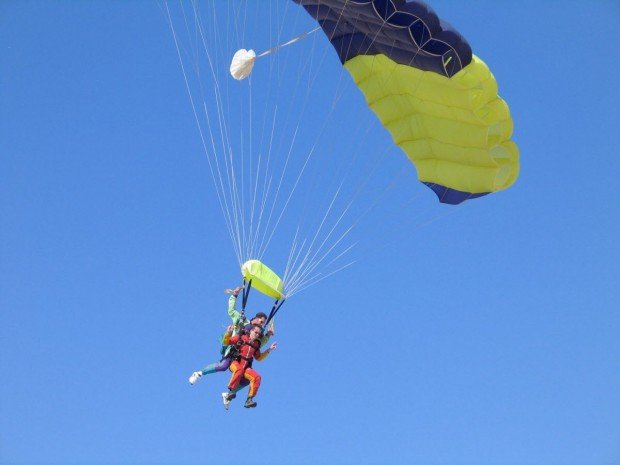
pixel 242 342
pixel 231 351
pixel 234 350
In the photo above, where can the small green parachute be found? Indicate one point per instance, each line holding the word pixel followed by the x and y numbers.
pixel 263 279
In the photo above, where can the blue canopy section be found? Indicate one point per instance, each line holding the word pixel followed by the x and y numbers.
pixel 452 196
pixel 408 32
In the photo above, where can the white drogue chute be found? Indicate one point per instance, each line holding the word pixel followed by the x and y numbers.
pixel 242 63
pixel 243 60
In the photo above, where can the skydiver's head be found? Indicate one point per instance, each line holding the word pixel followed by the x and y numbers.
pixel 256 332
pixel 259 319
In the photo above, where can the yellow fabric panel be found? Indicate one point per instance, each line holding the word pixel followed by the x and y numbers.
pixel 263 278
pixel 484 171
pixel 455 130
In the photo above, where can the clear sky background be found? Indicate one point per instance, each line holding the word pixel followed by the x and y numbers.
pixel 485 334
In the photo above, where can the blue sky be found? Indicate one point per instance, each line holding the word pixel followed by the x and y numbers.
pixel 485 334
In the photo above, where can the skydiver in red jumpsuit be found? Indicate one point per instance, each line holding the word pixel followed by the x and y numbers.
pixel 248 345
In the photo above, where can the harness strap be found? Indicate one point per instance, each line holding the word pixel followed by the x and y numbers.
pixel 241 342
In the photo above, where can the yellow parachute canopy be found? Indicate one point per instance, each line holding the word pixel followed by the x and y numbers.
pixel 436 98
pixel 455 130
pixel 263 278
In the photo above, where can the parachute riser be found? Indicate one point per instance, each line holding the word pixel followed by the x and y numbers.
pixel 247 286
pixel 276 306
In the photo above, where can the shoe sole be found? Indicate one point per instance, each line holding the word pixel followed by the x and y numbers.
pixel 226 402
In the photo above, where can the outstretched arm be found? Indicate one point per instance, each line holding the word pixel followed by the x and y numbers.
pixel 258 355
pixel 271 330
pixel 232 311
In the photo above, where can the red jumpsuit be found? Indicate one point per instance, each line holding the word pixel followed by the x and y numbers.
pixel 241 367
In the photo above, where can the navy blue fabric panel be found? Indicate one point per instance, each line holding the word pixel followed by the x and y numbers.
pixel 407 31
pixel 452 196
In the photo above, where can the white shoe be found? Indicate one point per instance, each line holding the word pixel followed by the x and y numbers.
pixel 196 375
pixel 226 399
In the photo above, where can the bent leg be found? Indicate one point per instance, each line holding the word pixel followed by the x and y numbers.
pixel 237 373
pixel 242 385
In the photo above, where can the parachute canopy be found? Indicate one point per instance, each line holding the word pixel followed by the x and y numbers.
pixel 263 278
pixel 242 63
pixel 438 101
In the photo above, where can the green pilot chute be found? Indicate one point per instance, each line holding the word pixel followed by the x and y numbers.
pixel 263 279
